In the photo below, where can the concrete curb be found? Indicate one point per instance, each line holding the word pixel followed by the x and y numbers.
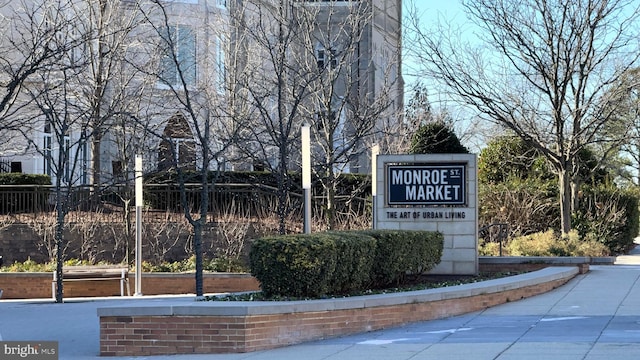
pixel 550 260
pixel 207 308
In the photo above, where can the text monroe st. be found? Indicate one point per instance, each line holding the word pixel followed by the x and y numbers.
pixel 424 184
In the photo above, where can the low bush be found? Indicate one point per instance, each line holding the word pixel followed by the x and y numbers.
pixel 188 265
pixel 537 244
pixel 341 262
pixel 28 266
pixel 608 216
pixel 527 206
pixel 489 248
pixel 548 243
pixel 604 214
pixel 294 265
pixel 399 253
pixel 354 261
pixel 32 266
pixel 24 179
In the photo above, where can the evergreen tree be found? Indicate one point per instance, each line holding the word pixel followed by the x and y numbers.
pixel 436 138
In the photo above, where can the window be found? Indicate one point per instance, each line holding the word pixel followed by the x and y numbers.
pixel 47 148
pixel 84 156
pixel 67 159
pixel 220 65
pixel 16 167
pixel 56 159
pixel 322 58
pixel 326 57
pixel 179 60
pixel 117 170
pixel 341 140
pixel 325 119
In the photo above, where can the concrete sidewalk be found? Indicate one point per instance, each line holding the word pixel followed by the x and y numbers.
pixel 594 316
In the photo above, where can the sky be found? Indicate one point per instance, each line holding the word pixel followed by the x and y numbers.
pixel 434 8
pixel 431 11
pixel 446 11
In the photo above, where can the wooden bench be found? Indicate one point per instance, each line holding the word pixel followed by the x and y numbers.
pixel 94 273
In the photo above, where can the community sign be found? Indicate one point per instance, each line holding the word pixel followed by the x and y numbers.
pixel 426 184
pixel 431 192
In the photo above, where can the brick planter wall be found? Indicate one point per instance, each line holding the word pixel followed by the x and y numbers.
pixel 498 264
pixel 221 327
pixel 38 285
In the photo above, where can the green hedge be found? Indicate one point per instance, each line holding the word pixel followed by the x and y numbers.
pixel 318 264
pixel 401 252
pixel 354 261
pixel 294 265
pixel 24 179
pixel 23 198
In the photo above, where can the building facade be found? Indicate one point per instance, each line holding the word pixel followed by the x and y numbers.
pixel 193 82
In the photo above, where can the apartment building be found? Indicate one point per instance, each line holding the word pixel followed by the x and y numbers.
pixel 168 79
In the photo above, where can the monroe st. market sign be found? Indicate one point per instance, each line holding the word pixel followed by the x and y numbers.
pixel 426 184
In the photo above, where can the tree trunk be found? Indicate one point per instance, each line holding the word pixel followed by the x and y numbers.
pixel 575 188
pixel 96 142
pixel 564 187
pixel 331 198
pixel 197 249
pixel 282 202
pixel 128 231
pixel 58 238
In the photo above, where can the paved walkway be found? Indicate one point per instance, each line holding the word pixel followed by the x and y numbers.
pixel 594 316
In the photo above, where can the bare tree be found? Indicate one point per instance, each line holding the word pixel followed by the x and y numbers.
pixel 274 78
pixel 348 104
pixel 231 230
pixel 540 69
pixel 162 237
pixel 50 109
pixel 44 227
pixel 71 98
pixel 312 63
pixel 181 57
pixel 108 88
pixel 91 246
pixel 29 45
pixel 110 94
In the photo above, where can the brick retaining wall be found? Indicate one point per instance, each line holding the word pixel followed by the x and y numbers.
pixel 221 327
pixel 38 285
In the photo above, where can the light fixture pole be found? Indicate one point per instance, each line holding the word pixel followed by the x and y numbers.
pixel 139 204
pixel 375 150
pixel 306 176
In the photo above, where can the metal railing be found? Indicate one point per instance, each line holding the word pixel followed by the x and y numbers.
pixel 496 232
pixel 163 202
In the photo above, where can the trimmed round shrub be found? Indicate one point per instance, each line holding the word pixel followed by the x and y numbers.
pixel 294 265
pixel 333 263
pixel 399 253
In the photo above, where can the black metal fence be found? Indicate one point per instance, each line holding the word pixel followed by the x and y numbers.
pixel 163 202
